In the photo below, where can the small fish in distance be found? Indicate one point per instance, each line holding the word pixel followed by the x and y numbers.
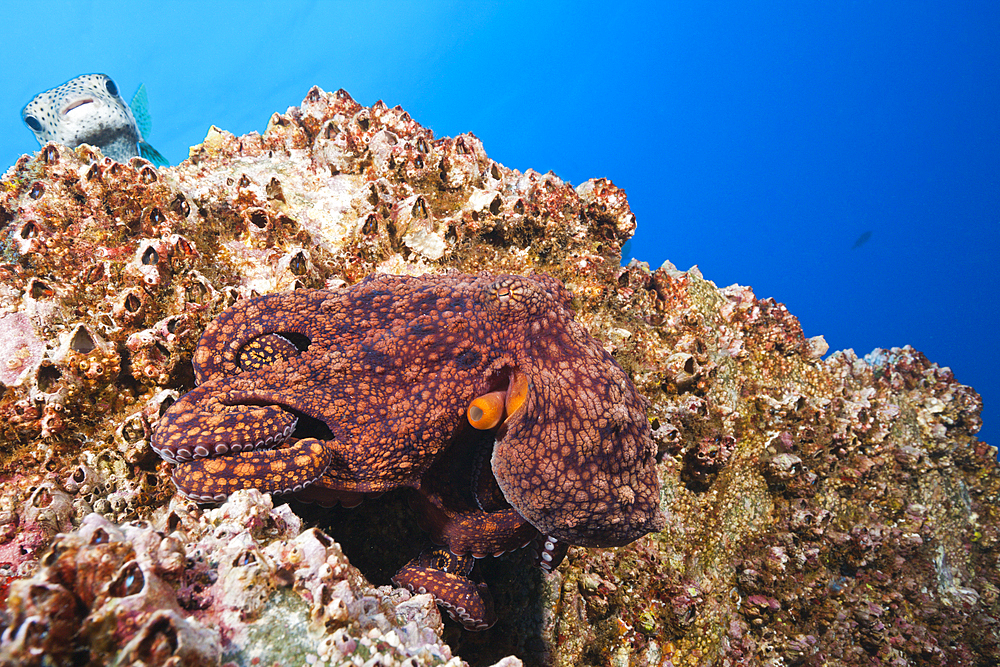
pixel 863 239
pixel 89 110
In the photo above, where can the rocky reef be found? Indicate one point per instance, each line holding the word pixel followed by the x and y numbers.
pixel 834 510
pixel 243 582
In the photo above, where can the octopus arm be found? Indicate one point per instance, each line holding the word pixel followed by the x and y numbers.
pixel 205 422
pixel 286 470
pixel 472 531
pixel 466 601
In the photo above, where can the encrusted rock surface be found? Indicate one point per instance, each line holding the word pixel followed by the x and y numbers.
pixel 821 511
pixel 239 583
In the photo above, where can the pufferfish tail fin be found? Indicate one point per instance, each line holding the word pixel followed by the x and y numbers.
pixel 144 122
pixel 140 110
pixel 153 155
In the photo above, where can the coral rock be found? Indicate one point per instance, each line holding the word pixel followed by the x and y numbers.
pixel 189 587
pixel 835 510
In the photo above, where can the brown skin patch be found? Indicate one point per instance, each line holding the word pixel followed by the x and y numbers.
pixel 366 389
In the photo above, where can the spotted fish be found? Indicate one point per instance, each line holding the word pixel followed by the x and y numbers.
pixel 89 110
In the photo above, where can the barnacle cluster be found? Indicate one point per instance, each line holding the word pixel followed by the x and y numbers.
pixel 242 583
pixel 821 510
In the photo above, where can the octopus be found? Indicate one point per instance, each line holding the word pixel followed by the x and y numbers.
pixel 509 423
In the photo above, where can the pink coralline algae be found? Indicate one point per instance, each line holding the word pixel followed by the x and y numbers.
pixel 835 510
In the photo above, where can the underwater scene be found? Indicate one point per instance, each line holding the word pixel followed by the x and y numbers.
pixel 500 334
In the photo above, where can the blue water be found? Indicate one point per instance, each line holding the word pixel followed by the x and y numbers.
pixel 756 140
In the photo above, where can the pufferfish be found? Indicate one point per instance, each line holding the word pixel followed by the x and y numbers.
pixel 89 110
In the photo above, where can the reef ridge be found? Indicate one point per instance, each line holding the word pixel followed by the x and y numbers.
pixel 835 510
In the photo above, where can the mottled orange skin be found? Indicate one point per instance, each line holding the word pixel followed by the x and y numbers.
pixel 375 381
pixel 445 575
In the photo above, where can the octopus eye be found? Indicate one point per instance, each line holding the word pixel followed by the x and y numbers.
pixel 33 123
pixel 112 88
pixel 515 294
pixel 486 411
pixel 270 349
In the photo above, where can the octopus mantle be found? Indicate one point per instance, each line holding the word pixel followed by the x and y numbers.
pixel 480 393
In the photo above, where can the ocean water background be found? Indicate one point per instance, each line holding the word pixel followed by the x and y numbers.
pixel 759 141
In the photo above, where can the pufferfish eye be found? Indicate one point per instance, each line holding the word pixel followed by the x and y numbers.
pixel 33 123
pixel 112 88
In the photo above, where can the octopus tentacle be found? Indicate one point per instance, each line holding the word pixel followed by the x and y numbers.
pixel 446 577
pixel 549 552
pixel 325 494
pixel 469 531
pixel 286 470
pixel 485 490
pixel 445 560
pixel 212 423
